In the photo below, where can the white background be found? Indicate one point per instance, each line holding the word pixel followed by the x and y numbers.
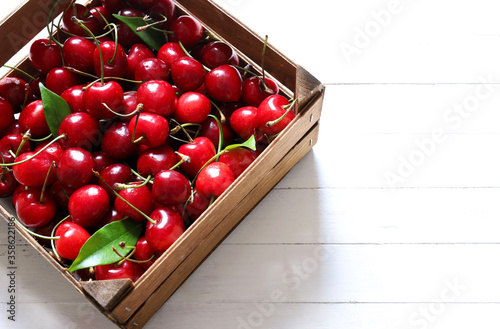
pixel 337 244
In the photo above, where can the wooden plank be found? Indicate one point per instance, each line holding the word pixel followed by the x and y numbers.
pixel 212 217
pixel 165 290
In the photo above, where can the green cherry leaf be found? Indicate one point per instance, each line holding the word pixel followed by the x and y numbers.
pixel 55 109
pixel 98 250
pixel 153 38
pixel 249 143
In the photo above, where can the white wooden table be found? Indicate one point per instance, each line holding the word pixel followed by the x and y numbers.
pixel 392 221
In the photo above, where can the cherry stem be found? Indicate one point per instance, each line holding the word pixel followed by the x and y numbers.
pixel 189 55
pixel 289 107
pixel 43 139
pixel 222 116
pixel 86 29
pixel 138 109
pixel 33 233
pixel 118 186
pixel 19 70
pixel 135 128
pixel 266 89
pixel 152 25
pixel 123 199
pixel 26 94
pixel 49 18
pixel 262 63
pixel 63 136
pixel 123 258
pixel 52 242
pixel 184 158
pixel 115 28
pixel 221 133
pixel 12 153
pixel 26 137
pixel 73 70
pixel 137 174
pixel 183 129
pixel 45 183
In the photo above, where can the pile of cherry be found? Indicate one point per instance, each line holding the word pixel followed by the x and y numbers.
pixel 152 136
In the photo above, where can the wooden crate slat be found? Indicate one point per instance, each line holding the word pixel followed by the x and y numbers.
pixel 158 298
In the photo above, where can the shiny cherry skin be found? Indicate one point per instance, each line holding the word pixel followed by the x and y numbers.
pixel 117 142
pixel 159 10
pixel 187 73
pixel 243 121
pixel 197 205
pixel 168 228
pixel 137 54
pixel 8 183
pixel 6 114
pixel 170 52
pixel 31 212
pixel 116 68
pixel 44 55
pixel 54 149
pixel 214 179
pixel 152 128
pixel 71 239
pixel 200 151
pixel 217 53
pixel 116 173
pixel 59 79
pixel 129 105
pixel 81 130
pixel 187 30
pixel 158 97
pixel 143 252
pixel 33 173
pixel 154 160
pixel 74 169
pixel 192 107
pixel 254 91
pixel 272 109
pixel 101 160
pixel 224 84
pixel 139 197
pixel 11 142
pixel 88 205
pixel 14 128
pixel 110 93
pixel 126 36
pixel 238 160
pixel 99 12
pixel 32 117
pixel 125 270
pixel 210 130
pixel 83 14
pixel 74 97
pixel 78 53
pixel 15 91
pixel 152 69
pixel 170 188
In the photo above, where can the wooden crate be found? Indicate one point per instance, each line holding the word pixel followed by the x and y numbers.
pixel 131 305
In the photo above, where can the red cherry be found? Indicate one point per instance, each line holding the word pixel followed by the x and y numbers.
pixel 224 84
pixel 187 73
pixel 15 91
pixel 113 174
pixel 200 151
pixel 84 15
pixel 116 67
pixel 14 128
pixel 217 53
pixel 192 107
pixel 170 188
pixel 54 149
pixel 32 173
pixel 78 53
pixel 271 109
pixel 210 130
pixel 187 30
pixel 101 160
pixel 170 52
pixel 75 168
pixel 152 69
pixel 152 128
pixel 32 117
pixel 139 197
pixel 159 10
pixel 137 54
pixel 74 97
pixel 60 195
pixel 154 160
pixel 99 12
pixel 31 212
pixel 81 130
pixel 129 105
pixel 44 55
pixel 158 97
pixel 59 79
pixel 110 93
pixel 71 239
pixel 125 270
pixel 6 114
pixel 126 36
pixel 168 228
pixel 243 121
pixel 214 179
pixel 88 205
pixel 197 205
pixel 117 142
pixel 254 92
pixel 8 183
pixel 11 143
pixel 238 160
pixel 143 252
